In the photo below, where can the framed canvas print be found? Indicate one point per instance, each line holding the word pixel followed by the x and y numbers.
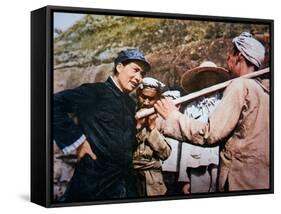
pixel 141 106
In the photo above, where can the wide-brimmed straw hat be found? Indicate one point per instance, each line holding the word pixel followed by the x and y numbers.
pixel 205 75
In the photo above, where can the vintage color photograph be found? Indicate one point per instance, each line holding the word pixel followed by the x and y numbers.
pixel 159 107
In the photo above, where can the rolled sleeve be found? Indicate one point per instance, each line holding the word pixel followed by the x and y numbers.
pixel 159 144
pixel 74 146
pixel 67 134
pixel 220 123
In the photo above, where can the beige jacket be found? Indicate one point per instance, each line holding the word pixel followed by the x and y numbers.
pixel 152 147
pixel 242 118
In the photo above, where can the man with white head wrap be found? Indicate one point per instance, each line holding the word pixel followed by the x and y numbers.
pixel 250 48
pixel 241 118
pixel 152 146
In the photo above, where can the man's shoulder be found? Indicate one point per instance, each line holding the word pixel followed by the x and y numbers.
pixel 85 89
pixel 248 83
pixel 97 87
pixel 243 83
pixel 246 86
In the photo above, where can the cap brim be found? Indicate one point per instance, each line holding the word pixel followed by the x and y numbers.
pixel 146 64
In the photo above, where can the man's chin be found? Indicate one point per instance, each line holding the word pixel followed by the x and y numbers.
pixel 129 89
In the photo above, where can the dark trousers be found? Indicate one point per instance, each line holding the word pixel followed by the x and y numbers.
pixel 172 184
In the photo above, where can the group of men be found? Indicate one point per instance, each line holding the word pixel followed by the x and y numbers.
pixel 120 157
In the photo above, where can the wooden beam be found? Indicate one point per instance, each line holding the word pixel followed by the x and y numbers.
pixel 205 91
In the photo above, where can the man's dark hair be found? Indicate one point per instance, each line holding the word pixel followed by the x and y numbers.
pixel 123 63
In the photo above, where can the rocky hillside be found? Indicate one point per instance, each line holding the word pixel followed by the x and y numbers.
pixel 84 53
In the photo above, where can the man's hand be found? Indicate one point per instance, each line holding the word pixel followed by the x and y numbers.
pixel 84 149
pixel 186 188
pixel 149 122
pixel 165 106
pixel 141 123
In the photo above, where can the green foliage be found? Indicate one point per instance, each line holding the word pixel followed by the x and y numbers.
pixel 99 33
pixel 172 46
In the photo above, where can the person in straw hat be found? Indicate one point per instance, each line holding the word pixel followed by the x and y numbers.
pixel 241 118
pixel 199 165
pixel 203 76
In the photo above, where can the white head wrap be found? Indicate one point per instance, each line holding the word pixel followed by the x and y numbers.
pixel 173 93
pixel 152 83
pixel 251 48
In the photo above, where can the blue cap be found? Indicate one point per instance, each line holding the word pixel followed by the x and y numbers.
pixel 131 55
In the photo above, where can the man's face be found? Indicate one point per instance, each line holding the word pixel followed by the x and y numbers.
pixel 147 97
pixel 130 75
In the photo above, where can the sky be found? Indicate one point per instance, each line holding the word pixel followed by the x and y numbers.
pixel 63 21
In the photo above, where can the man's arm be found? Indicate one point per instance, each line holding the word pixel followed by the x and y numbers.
pixel 220 124
pixel 68 135
pixel 156 140
pixel 159 144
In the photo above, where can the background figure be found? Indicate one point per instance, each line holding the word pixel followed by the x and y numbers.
pixel 64 165
pixel 152 146
pixel 199 165
pixel 170 167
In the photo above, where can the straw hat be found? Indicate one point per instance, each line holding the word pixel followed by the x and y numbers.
pixel 203 76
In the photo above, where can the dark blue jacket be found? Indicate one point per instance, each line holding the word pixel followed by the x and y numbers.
pixel 106 117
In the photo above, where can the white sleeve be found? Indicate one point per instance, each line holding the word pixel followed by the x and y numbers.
pixel 74 145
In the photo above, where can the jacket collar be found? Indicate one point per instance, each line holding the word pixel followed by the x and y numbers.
pixel 113 87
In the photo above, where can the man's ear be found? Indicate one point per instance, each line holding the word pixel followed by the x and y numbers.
pixel 240 58
pixel 119 67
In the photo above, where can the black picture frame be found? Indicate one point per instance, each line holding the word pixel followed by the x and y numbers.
pixel 42 62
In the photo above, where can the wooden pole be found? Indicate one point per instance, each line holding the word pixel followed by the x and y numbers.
pixel 205 91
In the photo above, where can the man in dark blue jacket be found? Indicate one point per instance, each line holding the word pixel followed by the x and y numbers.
pixel 106 125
